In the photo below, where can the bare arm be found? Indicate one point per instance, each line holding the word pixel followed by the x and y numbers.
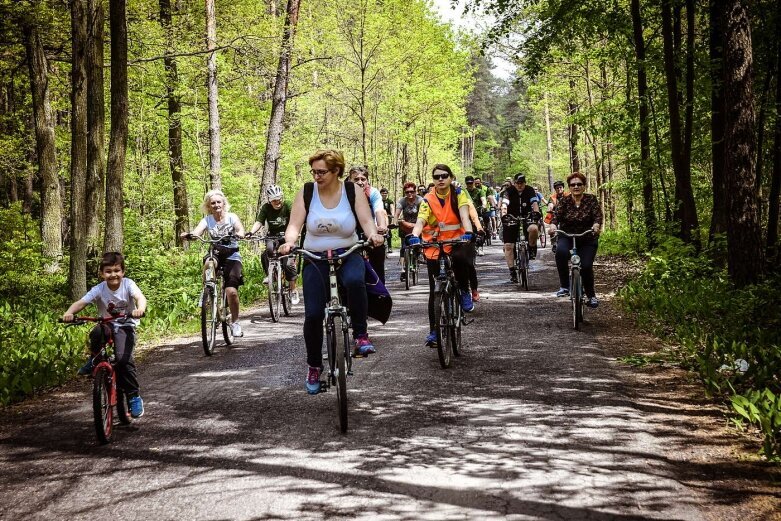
pixel 140 305
pixel 466 222
pixel 365 218
pixel 197 231
pixel 73 309
pixel 294 225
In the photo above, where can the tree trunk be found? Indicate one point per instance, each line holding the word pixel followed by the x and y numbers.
pixel 96 121
pixel 277 122
pixel 775 181
pixel 215 177
pixel 549 144
pixel 685 210
pixel 718 224
pixel 744 249
pixel 117 148
pixel 175 159
pixel 573 131
pixel 645 136
pixel 77 271
pixel 271 7
pixel 51 216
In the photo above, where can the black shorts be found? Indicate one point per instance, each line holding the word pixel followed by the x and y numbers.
pixel 510 232
pixel 231 274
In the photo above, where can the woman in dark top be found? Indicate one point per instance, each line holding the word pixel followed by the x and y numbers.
pixel 576 213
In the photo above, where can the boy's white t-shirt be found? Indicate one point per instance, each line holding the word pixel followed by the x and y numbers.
pixel 120 301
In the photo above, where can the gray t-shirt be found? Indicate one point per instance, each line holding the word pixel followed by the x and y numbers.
pixel 120 301
pixel 227 227
pixel 409 210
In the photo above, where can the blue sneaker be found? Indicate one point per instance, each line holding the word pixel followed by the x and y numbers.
pixel 431 339
pixel 466 302
pixel 136 407
pixel 313 380
pixel 592 302
pixel 363 346
pixel 86 369
pixel 563 292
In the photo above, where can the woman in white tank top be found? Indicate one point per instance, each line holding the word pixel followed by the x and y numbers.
pixel 330 224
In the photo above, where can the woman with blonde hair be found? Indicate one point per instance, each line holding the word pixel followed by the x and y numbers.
pixel 220 222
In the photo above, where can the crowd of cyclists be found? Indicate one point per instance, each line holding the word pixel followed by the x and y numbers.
pixel 332 214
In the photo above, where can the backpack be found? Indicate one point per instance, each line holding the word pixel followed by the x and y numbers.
pixel 349 188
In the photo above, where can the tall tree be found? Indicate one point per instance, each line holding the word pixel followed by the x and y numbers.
pixel 175 159
pixel 718 224
pixel 77 272
pixel 745 253
pixel 548 144
pixel 572 130
pixel 215 177
pixel 115 175
pixel 775 180
pixel 277 123
pixel 685 210
pixel 96 120
pixel 51 216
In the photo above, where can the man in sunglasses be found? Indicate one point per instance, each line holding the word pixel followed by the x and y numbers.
pixel 520 200
pixel 407 215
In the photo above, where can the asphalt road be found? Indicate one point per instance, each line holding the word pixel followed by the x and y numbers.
pixel 532 422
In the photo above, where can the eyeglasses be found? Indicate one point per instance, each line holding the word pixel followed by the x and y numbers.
pixel 439 177
pixel 318 173
pixel 575 185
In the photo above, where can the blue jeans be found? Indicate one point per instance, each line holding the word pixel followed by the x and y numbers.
pixel 351 277
pixel 587 249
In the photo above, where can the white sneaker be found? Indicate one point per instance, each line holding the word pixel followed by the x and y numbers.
pixel 265 281
pixel 294 298
pixel 236 328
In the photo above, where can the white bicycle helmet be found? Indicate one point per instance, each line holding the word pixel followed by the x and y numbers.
pixel 274 192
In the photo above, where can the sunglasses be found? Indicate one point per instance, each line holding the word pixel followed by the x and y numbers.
pixel 318 173
pixel 575 185
pixel 438 177
pixel 409 191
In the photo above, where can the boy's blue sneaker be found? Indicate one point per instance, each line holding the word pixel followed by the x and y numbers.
pixel 136 407
pixel 466 302
pixel 86 369
pixel 431 339
pixel 313 380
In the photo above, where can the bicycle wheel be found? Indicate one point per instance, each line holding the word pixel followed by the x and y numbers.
pixel 523 266
pixel 102 411
pixel 123 413
pixel 543 236
pixel 576 295
pixel 407 269
pixel 226 319
pixel 458 314
pixel 287 303
pixel 337 351
pixel 415 268
pixel 442 321
pixel 208 319
pixel 273 291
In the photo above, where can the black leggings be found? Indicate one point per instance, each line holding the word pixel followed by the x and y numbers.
pixel 461 258
pixel 125 364
pixel 587 250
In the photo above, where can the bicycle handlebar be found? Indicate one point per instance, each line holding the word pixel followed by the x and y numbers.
pixel 565 234
pixel 81 320
pixel 438 243
pixel 321 257
pixel 220 240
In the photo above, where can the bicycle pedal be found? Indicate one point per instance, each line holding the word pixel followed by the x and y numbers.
pixel 324 385
pixel 467 322
pixel 349 373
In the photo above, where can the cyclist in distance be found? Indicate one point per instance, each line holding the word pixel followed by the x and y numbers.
pixel 407 215
pixel 360 176
pixel 490 197
pixel 519 200
pixel 274 216
pixel 558 191
pixel 331 224
pixel 575 213
pixel 115 295
pixel 221 222
pixel 422 190
pixel 387 203
pixel 444 215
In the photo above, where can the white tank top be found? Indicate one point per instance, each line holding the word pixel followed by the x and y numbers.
pixel 329 229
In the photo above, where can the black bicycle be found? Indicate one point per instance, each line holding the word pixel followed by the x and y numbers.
pixel 521 249
pixel 487 225
pixel 448 314
pixel 576 295
pixel 213 300
pixel 411 266
pixel 337 330
pixel 279 294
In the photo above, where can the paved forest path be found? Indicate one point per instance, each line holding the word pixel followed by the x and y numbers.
pixel 534 421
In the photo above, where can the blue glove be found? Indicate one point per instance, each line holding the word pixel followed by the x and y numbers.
pixel 412 240
pixel 467 236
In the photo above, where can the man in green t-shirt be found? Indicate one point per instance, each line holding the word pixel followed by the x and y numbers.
pixel 274 216
pixel 490 210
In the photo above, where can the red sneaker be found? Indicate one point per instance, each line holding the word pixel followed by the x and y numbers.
pixel 475 296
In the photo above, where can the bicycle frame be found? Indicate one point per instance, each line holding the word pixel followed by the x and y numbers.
pixel 577 297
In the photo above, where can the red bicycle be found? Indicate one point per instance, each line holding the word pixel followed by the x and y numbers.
pixel 105 395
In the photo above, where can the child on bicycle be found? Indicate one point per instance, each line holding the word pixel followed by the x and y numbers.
pixel 115 295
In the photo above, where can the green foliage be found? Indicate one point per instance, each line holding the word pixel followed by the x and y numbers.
pixel 729 336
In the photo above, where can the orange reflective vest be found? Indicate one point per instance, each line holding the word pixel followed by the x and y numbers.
pixel 448 224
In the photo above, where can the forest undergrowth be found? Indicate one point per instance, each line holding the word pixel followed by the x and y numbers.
pixel 730 337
